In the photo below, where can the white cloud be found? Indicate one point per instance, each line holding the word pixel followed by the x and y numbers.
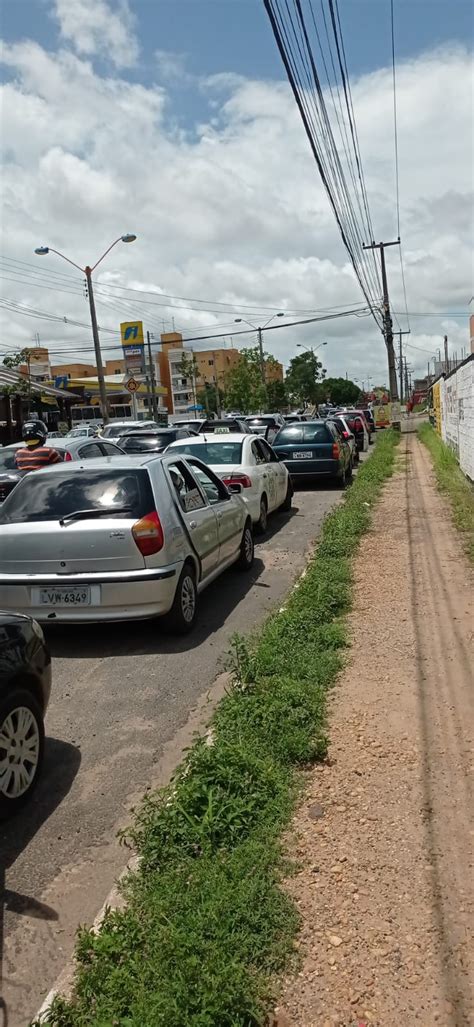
pixel 234 210
pixel 98 27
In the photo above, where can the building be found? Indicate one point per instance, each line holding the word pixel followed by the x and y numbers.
pixel 202 367
pixel 82 379
pixel 273 371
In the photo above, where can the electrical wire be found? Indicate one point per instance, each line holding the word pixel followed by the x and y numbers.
pixel 395 143
pixel 344 187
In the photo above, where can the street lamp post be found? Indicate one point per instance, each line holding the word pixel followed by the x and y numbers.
pixel 259 330
pixel 41 251
pixel 310 349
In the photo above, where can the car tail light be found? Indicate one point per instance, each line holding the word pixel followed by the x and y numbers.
pixel 148 534
pixel 336 452
pixel 346 434
pixel 238 479
pixel 67 455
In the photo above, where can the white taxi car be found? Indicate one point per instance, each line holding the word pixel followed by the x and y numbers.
pixel 247 461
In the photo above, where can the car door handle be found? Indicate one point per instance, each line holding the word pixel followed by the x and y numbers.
pixel 193 525
pixel 219 515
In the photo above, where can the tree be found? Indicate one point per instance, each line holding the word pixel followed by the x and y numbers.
pixel 276 396
pixel 303 379
pixel 211 398
pixel 340 391
pixel 188 369
pixel 244 389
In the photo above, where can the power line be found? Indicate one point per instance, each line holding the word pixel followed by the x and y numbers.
pixel 395 142
pixel 293 41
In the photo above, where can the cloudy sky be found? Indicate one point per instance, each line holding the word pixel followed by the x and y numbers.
pixel 172 119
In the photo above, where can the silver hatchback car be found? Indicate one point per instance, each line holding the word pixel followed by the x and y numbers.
pixel 119 538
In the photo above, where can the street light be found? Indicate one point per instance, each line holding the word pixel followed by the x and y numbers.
pixel 311 349
pixel 257 328
pixel 41 251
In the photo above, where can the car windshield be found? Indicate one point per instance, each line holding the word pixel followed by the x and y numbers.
pixel 212 452
pixel 51 497
pixel 147 443
pixel 112 431
pixel 7 459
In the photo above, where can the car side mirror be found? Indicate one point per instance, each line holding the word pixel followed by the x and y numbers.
pixel 235 488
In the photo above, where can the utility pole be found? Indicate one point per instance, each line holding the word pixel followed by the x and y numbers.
pixel 387 318
pixel 446 358
pixel 407 385
pixel 262 358
pixel 400 362
pixel 154 404
pixel 98 355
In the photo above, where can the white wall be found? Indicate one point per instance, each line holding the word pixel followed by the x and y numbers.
pixel 457 415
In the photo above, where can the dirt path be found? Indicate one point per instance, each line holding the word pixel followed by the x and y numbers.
pixel 385 834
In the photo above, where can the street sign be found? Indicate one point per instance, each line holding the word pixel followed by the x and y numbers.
pixel 132 333
pixel 132 385
pixel 133 347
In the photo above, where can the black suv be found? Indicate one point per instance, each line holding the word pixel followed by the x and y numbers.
pixel 25 683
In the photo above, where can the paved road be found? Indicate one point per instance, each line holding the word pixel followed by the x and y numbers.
pixel 120 694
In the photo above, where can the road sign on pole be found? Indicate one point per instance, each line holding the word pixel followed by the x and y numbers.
pixel 133 347
pixel 132 385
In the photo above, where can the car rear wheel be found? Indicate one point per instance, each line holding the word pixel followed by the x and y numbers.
pixel 286 505
pixel 21 748
pixel 261 525
pixel 182 615
pixel 245 561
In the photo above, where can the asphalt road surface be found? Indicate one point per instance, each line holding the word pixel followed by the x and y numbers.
pixel 120 695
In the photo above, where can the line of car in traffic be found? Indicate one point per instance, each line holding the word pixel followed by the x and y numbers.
pixel 111 535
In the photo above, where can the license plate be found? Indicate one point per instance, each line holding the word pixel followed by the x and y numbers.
pixel 76 595
pixel 303 455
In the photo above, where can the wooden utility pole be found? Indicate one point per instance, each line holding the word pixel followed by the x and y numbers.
pixel 400 362
pixel 387 318
pixel 446 357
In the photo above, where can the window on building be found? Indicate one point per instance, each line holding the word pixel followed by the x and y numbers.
pixel 211 363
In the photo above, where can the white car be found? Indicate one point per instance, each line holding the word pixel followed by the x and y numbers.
pixel 88 431
pixel 246 461
pixel 118 539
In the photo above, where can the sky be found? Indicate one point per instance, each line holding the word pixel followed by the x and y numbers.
pixel 173 119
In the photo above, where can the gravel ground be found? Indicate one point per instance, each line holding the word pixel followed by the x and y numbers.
pixel 384 837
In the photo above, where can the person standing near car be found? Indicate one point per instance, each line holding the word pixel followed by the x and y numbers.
pixel 35 454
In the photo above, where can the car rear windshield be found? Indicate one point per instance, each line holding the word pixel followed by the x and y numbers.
pixel 144 443
pixel 317 432
pixel 212 452
pixel 7 459
pixel 261 420
pixel 49 497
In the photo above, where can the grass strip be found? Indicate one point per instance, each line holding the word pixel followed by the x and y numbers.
pixel 207 927
pixel 453 483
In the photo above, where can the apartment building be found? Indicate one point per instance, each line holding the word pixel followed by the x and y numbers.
pixel 210 366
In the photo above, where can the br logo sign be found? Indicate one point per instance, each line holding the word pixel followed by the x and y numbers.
pixel 132 333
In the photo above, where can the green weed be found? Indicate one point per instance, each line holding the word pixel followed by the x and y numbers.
pixel 453 483
pixel 206 927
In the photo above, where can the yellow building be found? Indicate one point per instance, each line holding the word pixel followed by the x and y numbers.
pixel 211 366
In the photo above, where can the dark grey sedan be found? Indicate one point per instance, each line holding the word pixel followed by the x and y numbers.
pixel 84 448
